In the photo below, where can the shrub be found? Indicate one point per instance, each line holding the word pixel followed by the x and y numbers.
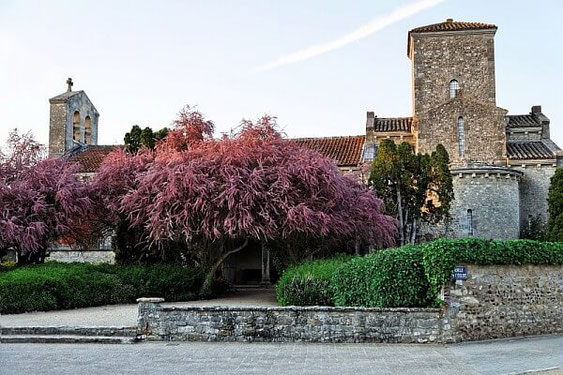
pixel 408 276
pixel 388 278
pixel 64 286
pixel 308 283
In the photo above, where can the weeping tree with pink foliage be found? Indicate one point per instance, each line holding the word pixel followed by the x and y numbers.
pixel 216 195
pixel 41 199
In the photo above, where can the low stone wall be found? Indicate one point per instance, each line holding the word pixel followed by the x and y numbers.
pixel 504 301
pixel 287 324
pixel 82 256
pixel 494 302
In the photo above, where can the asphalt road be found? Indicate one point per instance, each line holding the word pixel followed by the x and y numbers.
pixel 493 357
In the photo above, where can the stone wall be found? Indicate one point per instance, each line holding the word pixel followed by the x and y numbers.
pixel 534 187
pixel 82 256
pixel 493 198
pixel 437 58
pixel 288 324
pixel 504 301
pixel 494 302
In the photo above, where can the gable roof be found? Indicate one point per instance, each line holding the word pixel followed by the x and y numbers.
pixel 521 150
pixel 392 124
pixel 451 25
pixel 345 151
pixel 91 158
pixel 64 96
pixel 448 26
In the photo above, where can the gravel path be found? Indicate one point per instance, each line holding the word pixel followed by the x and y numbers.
pixel 125 315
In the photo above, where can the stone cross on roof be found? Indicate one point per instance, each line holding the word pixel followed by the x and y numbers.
pixel 69 83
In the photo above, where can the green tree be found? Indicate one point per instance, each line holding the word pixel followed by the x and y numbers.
pixel 137 138
pixel 415 187
pixel 555 207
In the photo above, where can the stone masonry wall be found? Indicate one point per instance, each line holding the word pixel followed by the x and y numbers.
pixel 82 256
pixel 494 302
pixel 504 301
pixel 534 187
pixel 466 56
pixel 57 129
pixel 289 324
pixel 494 204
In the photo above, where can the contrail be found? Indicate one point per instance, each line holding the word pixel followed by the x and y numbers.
pixel 363 31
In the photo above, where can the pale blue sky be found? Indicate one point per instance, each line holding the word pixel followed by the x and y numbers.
pixel 141 61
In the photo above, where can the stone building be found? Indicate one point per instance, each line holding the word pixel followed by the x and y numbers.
pixel 501 163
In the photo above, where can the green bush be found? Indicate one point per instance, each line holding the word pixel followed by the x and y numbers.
pixel 388 278
pixel 407 276
pixel 53 285
pixel 308 283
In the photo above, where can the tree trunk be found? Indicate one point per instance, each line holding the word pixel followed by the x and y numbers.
pixel 400 211
pixel 206 287
pixel 413 233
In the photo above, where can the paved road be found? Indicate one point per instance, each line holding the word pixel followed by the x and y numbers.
pixel 125 315
pixel 494 357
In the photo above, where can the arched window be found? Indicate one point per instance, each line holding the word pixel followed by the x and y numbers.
pixel 460 137
pixel 454 87
pixel 469 222
pixel 76 126
pixel 87 130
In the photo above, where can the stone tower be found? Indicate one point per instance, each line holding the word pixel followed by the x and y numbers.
pixel 73 122
pixel 454 102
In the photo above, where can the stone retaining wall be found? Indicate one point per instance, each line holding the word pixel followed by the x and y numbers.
pixel 82 256
pixel 494 302
pixel 504 301
pixel 289 324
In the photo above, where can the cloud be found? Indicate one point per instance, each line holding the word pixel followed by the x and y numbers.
pixel 361 32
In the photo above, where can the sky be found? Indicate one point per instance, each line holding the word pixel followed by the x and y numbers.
pixel 318 66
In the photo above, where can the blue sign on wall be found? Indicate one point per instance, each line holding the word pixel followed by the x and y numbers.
pixel 460 273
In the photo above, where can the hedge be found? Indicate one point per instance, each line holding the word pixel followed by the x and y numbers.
pixel 393 278
pixel 53 286
pixel 408 276
pixel 308 283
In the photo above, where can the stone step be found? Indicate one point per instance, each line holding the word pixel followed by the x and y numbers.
pixel 71 331
pixel 65 339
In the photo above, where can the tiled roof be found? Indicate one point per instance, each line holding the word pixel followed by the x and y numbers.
pixel 451 25
pixel 523 121
pixel 528 150
pixel 345 151
pixel 64 96
pixel 393 124
pixel 91 158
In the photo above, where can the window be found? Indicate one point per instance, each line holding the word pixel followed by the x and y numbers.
pixel 469 222
pixel 87 130
pixel 460 137
pixel 369 152
pixel 76 126
pixel 454 87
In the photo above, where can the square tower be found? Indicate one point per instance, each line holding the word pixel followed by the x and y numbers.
pixel 73 122
pixel 454 101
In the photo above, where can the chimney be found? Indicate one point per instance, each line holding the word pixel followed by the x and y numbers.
pixel 449 20
pixel 370 122
pixel 536 109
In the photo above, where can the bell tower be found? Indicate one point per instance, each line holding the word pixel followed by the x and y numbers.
pixel 73 122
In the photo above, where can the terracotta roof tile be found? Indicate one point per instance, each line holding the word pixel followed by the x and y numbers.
pixel 91 158
pixel 528 150
pixel 451 25
pixel 345 151
pixel 393 124
pixel 523 121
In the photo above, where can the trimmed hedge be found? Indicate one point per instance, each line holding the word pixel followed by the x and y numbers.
pixel 308 283
pixel 408 276
pixel 53 286
pixel 392 278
